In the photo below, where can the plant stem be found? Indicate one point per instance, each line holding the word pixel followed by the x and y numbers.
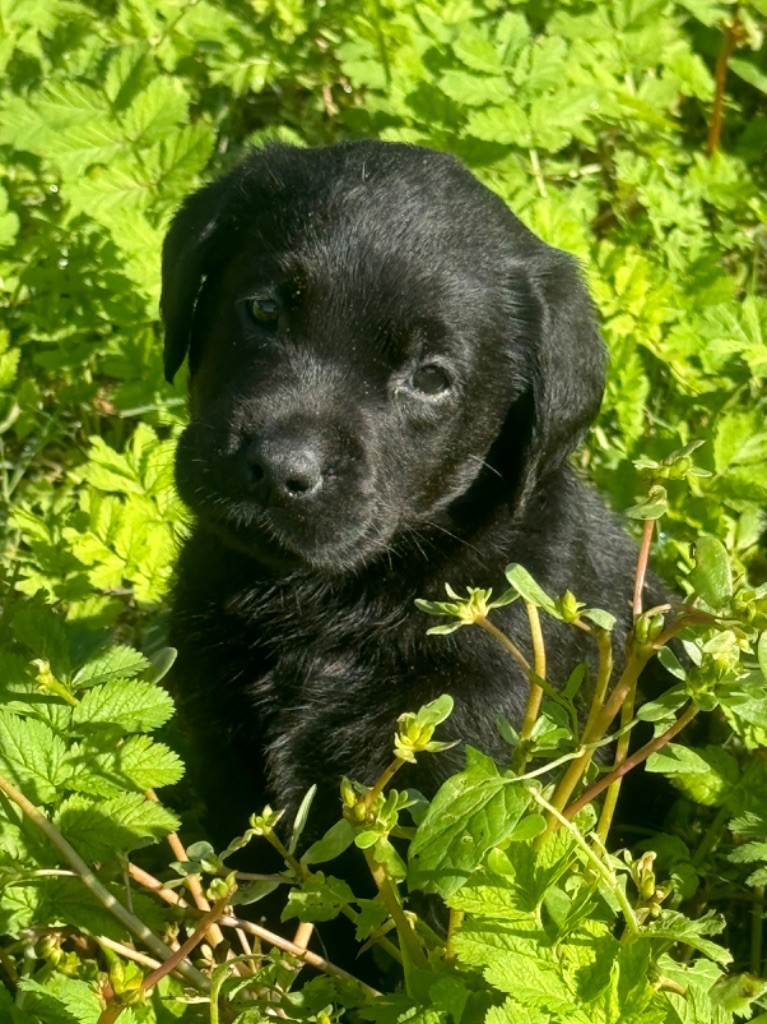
pixel 454 923
pixel 215 935
pixel 539 667
pixel 631 922
pixel 757 926
pixel 186 947
pixel 133 924
pixel 631 762
pixel 382 781
pixel 411 947
pixel 621 753
pixel 604 672
pixel 127 952
pixel 644 558
pixel 535 163
pixel 729 41
pixel 510 646
pixel 597 728
pixel 303 954
pixel 229 921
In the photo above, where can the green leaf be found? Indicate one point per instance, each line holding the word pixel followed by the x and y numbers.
pixel 338 838
pixel 101 831
pixel 33 757
pixel 137 762
pixel 750 72
pixel 472 812
pixel 707 775
pixel 132 706
pixel 600 618
pixel 63 1000
pixel 320 898
pixel 115 663
pixel 761 651
pixel 675 927
pixel 740 440
pixel 711 578
pixel 521 580
pixel 299 822
pixel 655 505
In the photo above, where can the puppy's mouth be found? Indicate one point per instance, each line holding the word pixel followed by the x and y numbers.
pixel 324 540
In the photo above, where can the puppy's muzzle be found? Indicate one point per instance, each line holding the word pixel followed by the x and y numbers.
pixel 286 470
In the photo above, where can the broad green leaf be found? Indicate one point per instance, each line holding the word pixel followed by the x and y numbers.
pixel 472 812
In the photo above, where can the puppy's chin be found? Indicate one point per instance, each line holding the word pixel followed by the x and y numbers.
pixel 283 548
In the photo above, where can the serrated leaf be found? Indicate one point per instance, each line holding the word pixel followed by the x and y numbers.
pixel 707 775
pixel 115 663
pixel 133 706
pixel 138 762
pixel 63 1000
pixel 33 757
pixel 103 830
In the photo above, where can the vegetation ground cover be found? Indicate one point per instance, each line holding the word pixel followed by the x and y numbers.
pixel 629 132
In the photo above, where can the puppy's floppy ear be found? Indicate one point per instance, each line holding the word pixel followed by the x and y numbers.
pixel 568 366
pixel 186 258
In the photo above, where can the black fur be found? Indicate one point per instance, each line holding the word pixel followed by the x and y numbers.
pixel 329 491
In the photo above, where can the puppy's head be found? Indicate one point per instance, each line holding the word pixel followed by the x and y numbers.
pixel 375 344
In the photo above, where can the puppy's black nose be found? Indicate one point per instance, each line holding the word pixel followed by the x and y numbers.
pixel 284 470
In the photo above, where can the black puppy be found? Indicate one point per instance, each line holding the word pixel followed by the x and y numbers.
pixel 388 373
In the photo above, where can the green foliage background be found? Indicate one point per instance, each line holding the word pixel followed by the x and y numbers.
pixel 591 119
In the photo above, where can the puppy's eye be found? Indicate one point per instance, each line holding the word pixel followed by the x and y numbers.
pixel 430 379
pixel 265 311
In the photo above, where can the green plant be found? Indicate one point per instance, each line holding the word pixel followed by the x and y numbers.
pixel 630 132
pixel 545 923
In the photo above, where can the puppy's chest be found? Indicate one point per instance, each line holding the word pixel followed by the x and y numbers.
pixel 327 713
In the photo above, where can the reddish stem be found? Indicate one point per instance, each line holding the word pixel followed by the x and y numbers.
pixel 186 947
pixel 644 558
pixel 631 762
pixel 730 37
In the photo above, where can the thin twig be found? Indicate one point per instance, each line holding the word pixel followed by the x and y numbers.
pixel 128 952
pixel 628 912
pixel 597 728
pixel 631 762
pixel 303 954
pixel 186 948
pixel 229 921
pixel 757 927
pixel 135 926
pixel 644 558
pixel 535 163
pixel 621 753
pixel 382 781
pixel 303 935
pixel 215 935
pixel 730 36
pixel 510 646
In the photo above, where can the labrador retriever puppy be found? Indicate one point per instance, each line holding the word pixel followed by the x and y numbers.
pixel 388 372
